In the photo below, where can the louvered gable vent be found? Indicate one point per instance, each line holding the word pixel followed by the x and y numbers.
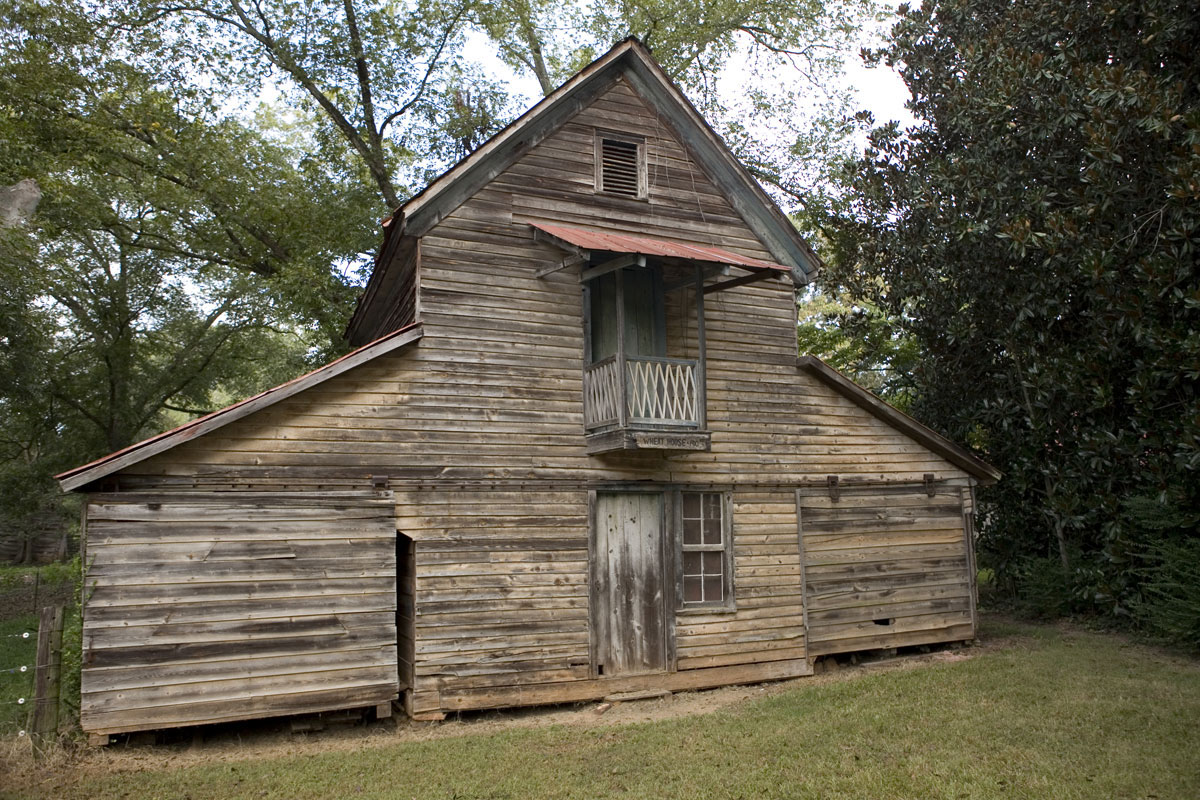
pixel 620 167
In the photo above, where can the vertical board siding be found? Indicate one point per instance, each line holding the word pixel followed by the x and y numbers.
pixel 630 595
pixel 205 608
pixel 885 567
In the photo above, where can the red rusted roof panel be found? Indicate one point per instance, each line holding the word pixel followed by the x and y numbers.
pixel 646 245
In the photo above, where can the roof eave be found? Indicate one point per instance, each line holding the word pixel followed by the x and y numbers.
pixel 632 60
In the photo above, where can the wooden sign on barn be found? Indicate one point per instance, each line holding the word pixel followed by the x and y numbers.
pixel 575 454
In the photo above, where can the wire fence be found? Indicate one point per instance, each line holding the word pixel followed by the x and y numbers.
pixel 23 593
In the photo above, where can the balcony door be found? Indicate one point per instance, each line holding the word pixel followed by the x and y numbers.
pixel 640 293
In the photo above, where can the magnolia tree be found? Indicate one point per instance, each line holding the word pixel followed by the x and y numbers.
pixel 1035 235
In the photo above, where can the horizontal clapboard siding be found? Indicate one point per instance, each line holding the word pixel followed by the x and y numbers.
pixel 767 623
pixel 886 567
pixel 204 608
pixel 479 427
pixel 501 588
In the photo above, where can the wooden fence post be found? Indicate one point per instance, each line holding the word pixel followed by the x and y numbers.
pixel 43 718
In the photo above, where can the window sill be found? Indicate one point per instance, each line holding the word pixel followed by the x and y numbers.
pixel 696 610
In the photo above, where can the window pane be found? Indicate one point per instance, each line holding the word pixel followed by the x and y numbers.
pixel 712 590
pixel 712 507
pixel 705 577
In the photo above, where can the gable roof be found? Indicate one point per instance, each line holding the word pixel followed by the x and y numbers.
pixel 954 453
pixel 631 60
pixel 135 453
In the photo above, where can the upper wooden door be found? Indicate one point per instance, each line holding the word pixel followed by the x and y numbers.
pixel 629 595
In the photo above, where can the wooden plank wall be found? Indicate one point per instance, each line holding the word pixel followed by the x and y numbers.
pixel 502 596
pixel 393 300
pixel 479 428
pixel 767 623
pixel 886 567
pixel 206 608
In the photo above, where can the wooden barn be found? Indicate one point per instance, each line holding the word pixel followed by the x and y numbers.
pixel 574 454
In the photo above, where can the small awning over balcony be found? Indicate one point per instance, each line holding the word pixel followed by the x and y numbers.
pixel 586 242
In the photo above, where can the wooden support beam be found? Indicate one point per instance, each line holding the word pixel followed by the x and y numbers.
pixel 568 262
pixel 707 271
pixel 753 277
pixel 620 262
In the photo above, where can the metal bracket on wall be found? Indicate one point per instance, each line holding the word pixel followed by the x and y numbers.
pixel 832 482
pixel 930 489
pixel 379 482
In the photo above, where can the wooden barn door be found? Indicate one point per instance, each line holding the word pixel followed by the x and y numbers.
pixel 629 584
pixel 216 606
pixel 886 566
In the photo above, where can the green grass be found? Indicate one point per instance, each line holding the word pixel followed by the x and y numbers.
pixel 1050 713
pixel 49 575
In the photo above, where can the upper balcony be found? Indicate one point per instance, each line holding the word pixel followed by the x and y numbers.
pixel 644 343
pixel 643 383
pixel 644 402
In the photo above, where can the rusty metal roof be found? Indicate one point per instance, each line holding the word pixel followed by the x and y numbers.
pixel 613 242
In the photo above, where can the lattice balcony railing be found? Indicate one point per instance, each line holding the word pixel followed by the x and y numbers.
pixel 658 391
pixel 601 388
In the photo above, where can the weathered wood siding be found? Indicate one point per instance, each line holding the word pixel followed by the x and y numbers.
pixel 501 586
pixel 767 623
pixel 886 567
pixel 204 608
pixel 394 295
pixel 630 596
pixel 479 428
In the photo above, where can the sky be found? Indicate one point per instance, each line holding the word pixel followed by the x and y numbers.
pixel 878 90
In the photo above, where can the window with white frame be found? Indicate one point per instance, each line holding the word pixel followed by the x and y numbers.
pixel 706 558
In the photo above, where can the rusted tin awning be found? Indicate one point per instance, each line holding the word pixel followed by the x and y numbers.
pixel 608 241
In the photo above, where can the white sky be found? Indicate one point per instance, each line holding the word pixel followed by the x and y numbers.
pixel 878 90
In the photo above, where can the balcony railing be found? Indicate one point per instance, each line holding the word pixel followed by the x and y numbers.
pixel 656 392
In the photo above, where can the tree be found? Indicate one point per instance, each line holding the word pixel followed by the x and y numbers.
pixel 176 255
pixel 390 82
pixel 1035 234
pixel 362 66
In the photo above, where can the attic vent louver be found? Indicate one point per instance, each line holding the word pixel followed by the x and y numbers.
pixel 620 166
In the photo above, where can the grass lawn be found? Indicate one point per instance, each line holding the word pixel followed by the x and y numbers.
pixel 1039 712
